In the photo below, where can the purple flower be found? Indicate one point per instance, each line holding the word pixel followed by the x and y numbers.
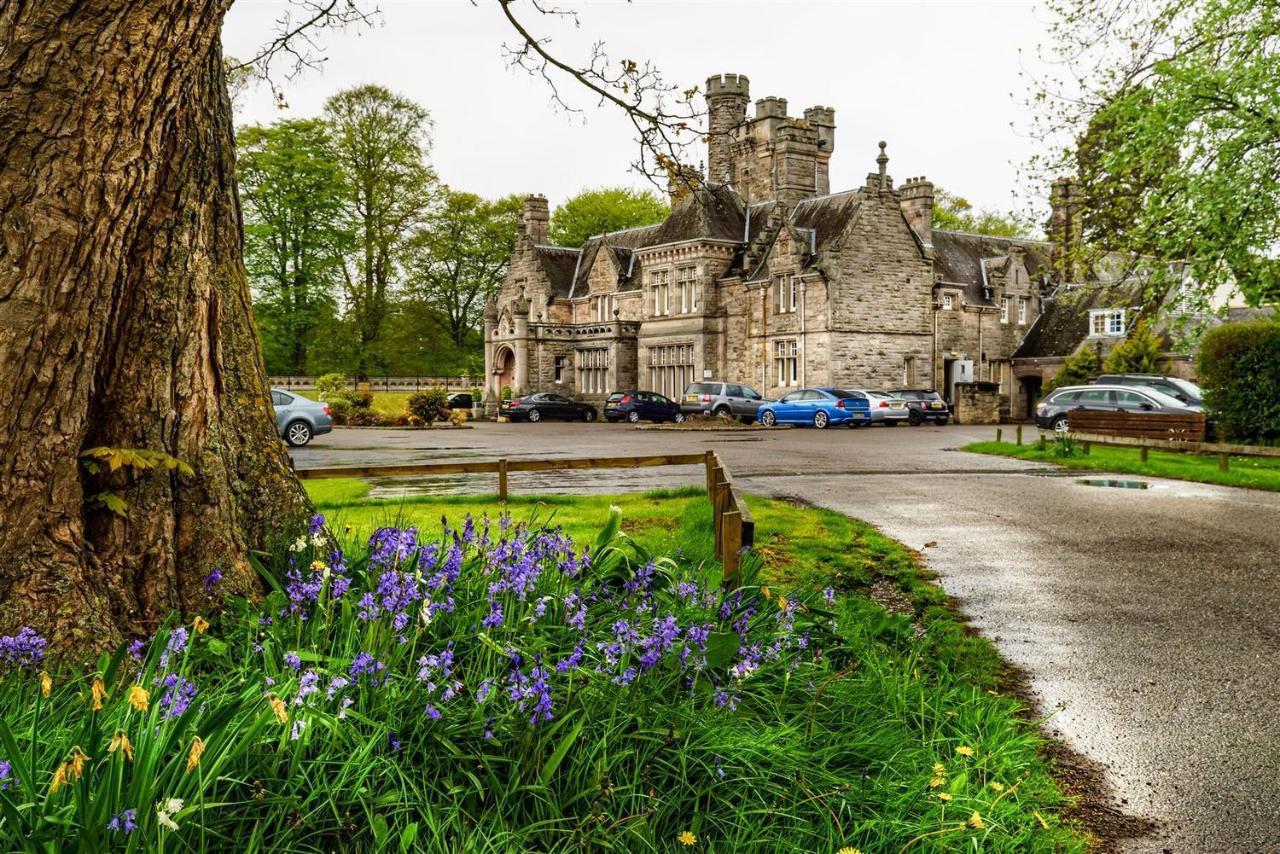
pixel 212 580
pixel 125 821
pixel 482 693
pixel 488 729
pixel 829 594
pixel 724 698
pixel 6 775
pixel 571 662
pixel 176 644
pixel 317 524
pixel 365 664
pixel 291 659
pixel 25 649
pixel 392 741
pixel 432 712
pixel 495 618
pixel 307 685
pixel 136 647
pixel 177 696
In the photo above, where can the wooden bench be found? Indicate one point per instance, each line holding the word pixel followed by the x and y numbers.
pixel 1133 425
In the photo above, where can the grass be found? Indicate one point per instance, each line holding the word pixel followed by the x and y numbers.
pixel 793 724
pixel 1248 472
pixel 389 403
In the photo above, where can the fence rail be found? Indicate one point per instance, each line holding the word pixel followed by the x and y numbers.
pixel 1133 425
pixel 1223 450
pixel 455 383
pixel 732 521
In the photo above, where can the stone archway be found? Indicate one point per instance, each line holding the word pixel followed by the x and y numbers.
pixel 504 369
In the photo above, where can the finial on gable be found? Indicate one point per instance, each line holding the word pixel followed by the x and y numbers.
pixel 883 162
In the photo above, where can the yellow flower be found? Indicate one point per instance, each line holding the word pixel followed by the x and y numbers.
pixel 76 762
pixel 193 758
pixel 318 566
pixel 999 787
pixel 46 684
pixel 99 694
pixel 764 591
pixel 937 781
pixel 939 769
pixel 976 822
pixel 783 603
pixel 121 742
pixel 279 710
pixel 687 838
pixel 849 850
pixel 139 698
pixel 964 751
pixel 200 624
pixel 952 714
pixel 59 779
pixel 943 796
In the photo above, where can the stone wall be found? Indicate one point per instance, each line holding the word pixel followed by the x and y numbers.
pixel 977 403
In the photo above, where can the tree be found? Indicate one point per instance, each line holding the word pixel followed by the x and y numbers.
pixel 1139 353
pixel 1080 368
pixel 292 189
pixel 125 312
pixel 380 141
pixel 1171 119
pixel 459 257
pixel 599 211
pixel 955 213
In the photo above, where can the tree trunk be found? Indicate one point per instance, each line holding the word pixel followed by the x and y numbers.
pixel 125 322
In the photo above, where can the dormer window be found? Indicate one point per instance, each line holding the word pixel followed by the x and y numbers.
pixel 1106 322
pixel 948 302
pixel 785 290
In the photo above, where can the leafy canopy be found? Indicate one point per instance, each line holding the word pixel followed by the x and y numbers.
pixel 956 213
pixel 602 210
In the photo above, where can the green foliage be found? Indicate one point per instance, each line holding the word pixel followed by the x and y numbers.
pixel 1239 370
pixel 477 395
pixel 602 210
pixel 1171 110
pixel 506 393
pixel 340 407
pixel 331 385
pixel 1139 353
pixel 1079 368
pixel 430 405
pixel 954 213
pixel 1065 445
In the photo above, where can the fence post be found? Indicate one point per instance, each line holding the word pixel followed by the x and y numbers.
pixel 1019 434
pixel 1224 462
pixel 999 435
pixel 723 498
pixel 502 479
pixel 711 475
pixel 1142 453
pixel 732 558
pixel 1086 446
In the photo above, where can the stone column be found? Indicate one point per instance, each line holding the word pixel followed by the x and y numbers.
pixel 521 343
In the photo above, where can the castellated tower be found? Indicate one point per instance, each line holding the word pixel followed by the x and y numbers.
pixel 771 156
pixel 534 218
pixel 727 98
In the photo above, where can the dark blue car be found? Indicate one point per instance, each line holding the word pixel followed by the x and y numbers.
pixel 820 407
pixel 636 406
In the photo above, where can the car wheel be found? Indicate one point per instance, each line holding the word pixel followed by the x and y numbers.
pixel 942 422
pixel 820 420
pixel 298 433
pixel 1060 424
pixel 914 418
pixel 535 416
pixel 679 419
pixel 720 411
pixel 891 423
pixel 633 416
pixel 768 419
pixel 589 416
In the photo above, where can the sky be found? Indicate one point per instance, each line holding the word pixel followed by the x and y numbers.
pixel 942 82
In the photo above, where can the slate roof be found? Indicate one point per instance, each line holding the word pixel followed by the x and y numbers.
pixel 557 263
pixel 958 257
pixel 1064 319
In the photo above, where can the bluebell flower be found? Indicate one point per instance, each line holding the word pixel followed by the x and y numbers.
pixel 136 647
pixel 6 774
pixel 829 594
pixel 392 741
pixel 23 650
pixel 365 664
pixel 177 697
pixel 291 658
pixel 125 822
pixel 176 644
pixel 212 580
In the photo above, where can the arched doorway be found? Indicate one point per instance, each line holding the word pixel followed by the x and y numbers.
pixel 504 369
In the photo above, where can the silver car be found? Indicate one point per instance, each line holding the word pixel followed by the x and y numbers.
pixel 299 419
pixel 886 409
pixel 717 398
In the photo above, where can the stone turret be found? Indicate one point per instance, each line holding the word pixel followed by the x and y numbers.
pixel 727 99
pixel 681 181
pixel 534 219
pixel 916 198
pixel 823 119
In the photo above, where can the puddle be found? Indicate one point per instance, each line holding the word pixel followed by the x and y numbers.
pixel 1115 484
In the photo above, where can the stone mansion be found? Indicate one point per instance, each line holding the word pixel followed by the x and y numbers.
pixel 762 275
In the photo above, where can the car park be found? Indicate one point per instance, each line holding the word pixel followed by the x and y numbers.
pixel 1176 387
pixel 818 407
pixel 1053 412
pixel 886 409
pixel 721 398
pixel 537 406
pixel 299 419
pixel 923 404
pixel 636 406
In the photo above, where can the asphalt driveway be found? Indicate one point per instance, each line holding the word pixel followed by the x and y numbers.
pixel 1145 618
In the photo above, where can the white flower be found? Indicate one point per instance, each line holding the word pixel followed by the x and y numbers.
pixel 424 613
pixel 300 543
pixel 173 805
pixel 317 539
pixel 165 811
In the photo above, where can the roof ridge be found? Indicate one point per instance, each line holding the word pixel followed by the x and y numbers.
pixel 557 248
pixel 828 196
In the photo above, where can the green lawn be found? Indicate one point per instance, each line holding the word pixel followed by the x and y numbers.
pixel 391 403
pixel 1249 472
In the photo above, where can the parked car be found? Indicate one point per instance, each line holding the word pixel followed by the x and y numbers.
pixel 536 406
pixel 717 398
pixel 1176 387
pixel 636 406
pixel 460 400
pixel 820 407
pixel 299 419
pixel 923 404
pixel 886 409
pixel 1052 412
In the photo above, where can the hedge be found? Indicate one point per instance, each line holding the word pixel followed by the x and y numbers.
pixel 1240 375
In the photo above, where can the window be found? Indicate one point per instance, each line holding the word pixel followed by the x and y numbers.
pixel 670 368
pixel 687 287
pixel 1004 309
pixel 561 362
pixel 605 307
pixel 785 289
pixel 1108 322
pixel 279 398
pixel 1022 310
pixel 1096 396
pixel 593 371
pixel 948 302
pixel 660 291
pixel 1131 400
pixel 786 360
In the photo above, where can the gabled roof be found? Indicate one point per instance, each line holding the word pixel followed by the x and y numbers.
pixel 827 216
pixel 558 263
pixel 1064 319
pixel 958 257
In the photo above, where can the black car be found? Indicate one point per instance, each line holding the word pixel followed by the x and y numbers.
pixel 1176 387
pixel 925 404
pixel 546 404
pixel 460 400
pixel 1052 412
pixel 636 406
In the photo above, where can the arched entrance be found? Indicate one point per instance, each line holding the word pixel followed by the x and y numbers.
pixel 504 369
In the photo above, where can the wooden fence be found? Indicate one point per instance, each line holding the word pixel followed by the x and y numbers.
pixel 1134 425
pixel 731 518
pixel 402 384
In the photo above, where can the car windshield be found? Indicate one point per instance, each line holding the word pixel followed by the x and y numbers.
pixel 1187 387
pixel 840 392
pixel 699 388
pixel 616 396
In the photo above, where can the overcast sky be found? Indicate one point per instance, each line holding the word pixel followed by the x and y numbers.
pixel 940 81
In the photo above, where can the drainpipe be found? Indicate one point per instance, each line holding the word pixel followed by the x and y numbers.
pixel 803 350
pixel 933 359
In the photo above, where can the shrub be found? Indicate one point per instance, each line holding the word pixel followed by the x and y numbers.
pixel 330 385
pixel 1139 353
pixel 1065 445
pixel 477 396
pixel 430 405
pixel 506 392
pixel 458 417
pixel 1239 367
pixel 1077 369
pixel 340 407
pixel 362 400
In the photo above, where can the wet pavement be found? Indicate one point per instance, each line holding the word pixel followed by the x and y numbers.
pixel 1144 617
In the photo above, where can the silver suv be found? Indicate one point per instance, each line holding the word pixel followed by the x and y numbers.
pixel 716 398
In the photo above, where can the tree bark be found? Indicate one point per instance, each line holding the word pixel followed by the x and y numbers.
pixel 125 322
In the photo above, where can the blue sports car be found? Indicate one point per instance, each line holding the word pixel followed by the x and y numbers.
pixel 820 407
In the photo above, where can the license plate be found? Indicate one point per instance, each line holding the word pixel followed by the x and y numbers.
pixel 935 406
pixel 690 398
pixel 859 415
pixel 896 405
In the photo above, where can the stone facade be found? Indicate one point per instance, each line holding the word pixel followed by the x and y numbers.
pixel 762 276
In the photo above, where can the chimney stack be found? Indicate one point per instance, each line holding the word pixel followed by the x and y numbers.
pixel 727 98
pixel 1065 229
pixel 916 198
pixel 682 181
pixel 535 218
